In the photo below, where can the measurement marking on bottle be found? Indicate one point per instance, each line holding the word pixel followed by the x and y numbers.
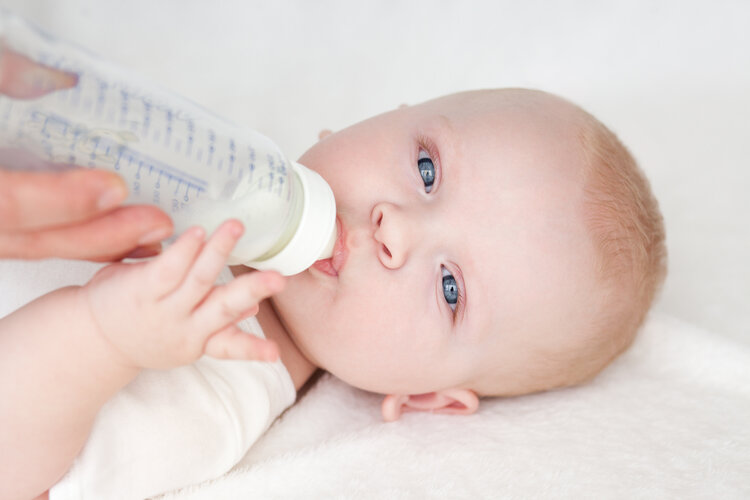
pixel 77 134
pixel 120 151
pixel 109 125
pixel 123 107
pixel 211 146
pixel 146 116
pixel 101 100
pixel 96 145
pixel 191 131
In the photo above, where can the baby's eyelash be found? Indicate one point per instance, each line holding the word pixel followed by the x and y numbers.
pixel 459 304
pixel 427 150
pixel 427 170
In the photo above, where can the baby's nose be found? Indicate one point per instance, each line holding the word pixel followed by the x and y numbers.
pixel 391 233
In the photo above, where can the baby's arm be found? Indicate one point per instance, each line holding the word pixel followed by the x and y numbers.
pixel 65 354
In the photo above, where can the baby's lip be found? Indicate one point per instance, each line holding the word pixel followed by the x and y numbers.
pixel 340 252
pixel 333 264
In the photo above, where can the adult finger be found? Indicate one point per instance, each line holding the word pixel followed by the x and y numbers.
pixel 22 78
pixel 34 200
pixel 109 237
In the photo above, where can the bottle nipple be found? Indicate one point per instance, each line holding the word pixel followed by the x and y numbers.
pixel 328 250
pixel 317 232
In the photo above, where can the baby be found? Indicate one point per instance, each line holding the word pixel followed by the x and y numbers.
pixel 491 243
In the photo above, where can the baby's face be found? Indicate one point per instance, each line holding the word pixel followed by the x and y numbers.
pixel 466 260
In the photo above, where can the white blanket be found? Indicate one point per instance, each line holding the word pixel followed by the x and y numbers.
pixel 667 420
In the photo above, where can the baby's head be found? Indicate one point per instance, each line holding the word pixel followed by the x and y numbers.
pixel 496 243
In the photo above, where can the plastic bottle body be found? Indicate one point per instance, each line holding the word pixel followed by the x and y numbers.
pixel 197 167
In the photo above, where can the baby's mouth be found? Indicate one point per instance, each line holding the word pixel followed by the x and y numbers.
pixel 332 265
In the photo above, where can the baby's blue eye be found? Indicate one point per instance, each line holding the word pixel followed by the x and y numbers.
pixel 450 289
pixel 426 170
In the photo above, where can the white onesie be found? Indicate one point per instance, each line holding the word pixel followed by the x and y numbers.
pixel 174 428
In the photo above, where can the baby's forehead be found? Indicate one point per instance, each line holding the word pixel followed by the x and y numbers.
pixel 518 141
pixel 519 100
pixel 516 173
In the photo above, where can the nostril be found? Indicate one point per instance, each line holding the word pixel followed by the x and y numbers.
pixel 387 252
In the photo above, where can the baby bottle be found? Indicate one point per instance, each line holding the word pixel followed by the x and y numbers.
pixel 172 153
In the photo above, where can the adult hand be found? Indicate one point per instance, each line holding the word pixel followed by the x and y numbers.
pixel 73 213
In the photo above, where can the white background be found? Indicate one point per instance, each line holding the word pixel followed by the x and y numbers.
pixel 671 78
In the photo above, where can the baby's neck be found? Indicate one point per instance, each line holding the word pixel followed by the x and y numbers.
pixel 299 368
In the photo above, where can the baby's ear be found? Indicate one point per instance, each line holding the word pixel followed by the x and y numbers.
pixel 452 401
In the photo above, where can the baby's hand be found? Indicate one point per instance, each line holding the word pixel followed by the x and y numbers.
pixel 168 312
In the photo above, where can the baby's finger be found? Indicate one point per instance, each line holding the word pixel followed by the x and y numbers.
pixel 202 275
pixel 168 271
pixel 233 343
pixel 229 303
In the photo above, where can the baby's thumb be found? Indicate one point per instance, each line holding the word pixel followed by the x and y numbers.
pixel 233 343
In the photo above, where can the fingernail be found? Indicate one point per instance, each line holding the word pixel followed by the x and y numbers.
pixel 197 232
pixel 143 252
pixel 155 235
pixel 236 229
pixel 112 197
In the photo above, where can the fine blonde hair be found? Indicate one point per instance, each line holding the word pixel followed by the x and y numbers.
pixel 627 231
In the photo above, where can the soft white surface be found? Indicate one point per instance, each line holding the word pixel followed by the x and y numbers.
pixel 670 77
pixel 667 420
